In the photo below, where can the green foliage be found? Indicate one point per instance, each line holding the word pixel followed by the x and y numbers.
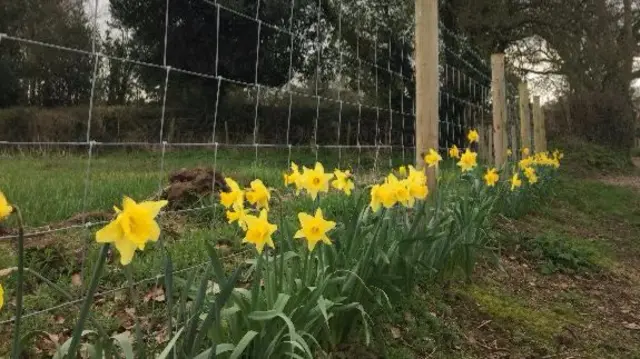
pixel 556 253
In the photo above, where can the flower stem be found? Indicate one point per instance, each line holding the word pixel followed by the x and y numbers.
pixel 88 300
pixel 134 299
pixel 15 351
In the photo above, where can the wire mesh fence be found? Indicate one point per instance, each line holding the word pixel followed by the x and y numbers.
pixel 323 81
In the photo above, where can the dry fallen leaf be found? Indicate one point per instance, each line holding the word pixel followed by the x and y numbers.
pixel 58 319
pixel 76 279
pixel 161 336
pixel 632 326
pixel 131 312
pixel 395 332
pixel 156 294
pixel 7 271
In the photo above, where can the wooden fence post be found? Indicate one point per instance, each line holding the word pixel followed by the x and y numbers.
pixel 427 82
pixel 499 100
pixel 525 116
pixel 538 131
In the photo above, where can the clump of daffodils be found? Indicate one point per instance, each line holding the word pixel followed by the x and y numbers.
pixel 395 191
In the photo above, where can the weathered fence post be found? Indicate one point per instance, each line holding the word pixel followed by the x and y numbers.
pixel 427 82
pixel 525 116
pixel 538 126
pixel 499 100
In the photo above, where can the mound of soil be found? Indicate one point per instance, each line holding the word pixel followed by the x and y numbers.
pixel 188 186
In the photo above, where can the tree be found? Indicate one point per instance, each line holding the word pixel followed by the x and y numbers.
pixel 196 42
pixel 38 75
pixel 591 43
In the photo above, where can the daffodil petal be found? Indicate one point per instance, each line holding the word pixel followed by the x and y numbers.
pixel 112 232
pixel 126 249
pixel 128 203
pixel 153 207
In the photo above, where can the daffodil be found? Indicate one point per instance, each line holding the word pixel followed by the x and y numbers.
pixel 316 180
pixel 134 226
pixel 238 214
pixel 468 160
pixel 432 158
pixel 454 152
pixel 402 171
pixel 525 152
pixel 259 231
pixel 509 152
pixel 294 178
pixel 5 207
pixel 258 194
pixel 515 182
pixel 314 228
pixel 491 177
pixel 417 184
pixel 558 155
pixel 473 136
pixel 400 191
pixel 530 173
pixel 234 196
pixel 382 195
pixel 526 162
pixel 1 297
pixel 343 181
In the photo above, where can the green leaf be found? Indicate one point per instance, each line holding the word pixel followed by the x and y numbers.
pixel 220 349
pixel 243 344
pixel 167 350
pixel 124 342
pixel 64 348
pixel 218 269
pixel 322 305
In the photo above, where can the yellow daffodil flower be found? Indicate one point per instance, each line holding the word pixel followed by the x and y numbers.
pixel 454 152
pixel 509 152
pixel 259 231
pixel 515 182
pixel 258 194
pixel 491 177
pixel 402 171
pixel 316 180
pixel 468 160
pixel 382 195
pixel 432 158
pixel 473 136
pixel 343 181
pixel 234 196
pixel 417 184
pixel 314 229
pixel 133 227
pixel 238 214
pixel 294 178
pixel 5 207
pixel 530 173
pixel 400 191
pixel 525 162
pixel 525 152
